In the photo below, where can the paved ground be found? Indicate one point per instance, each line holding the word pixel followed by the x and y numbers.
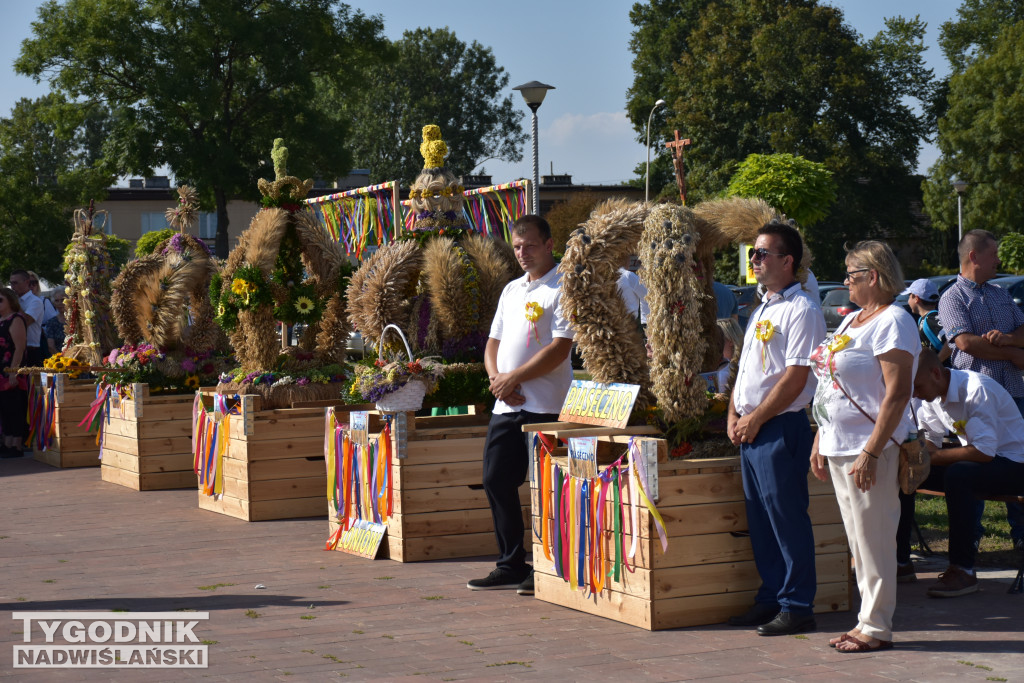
pixel 69 541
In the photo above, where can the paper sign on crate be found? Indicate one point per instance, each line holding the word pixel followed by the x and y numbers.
pixel 583 457
pixel 358 426
pixel 362 538
pixel 607 405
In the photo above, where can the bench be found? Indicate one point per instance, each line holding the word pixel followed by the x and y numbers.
pixel 1018 583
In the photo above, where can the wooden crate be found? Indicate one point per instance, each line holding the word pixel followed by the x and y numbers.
pixel 708 573
pixel 147 441
pixel 274 464
pixel 72 446
pixel 440 508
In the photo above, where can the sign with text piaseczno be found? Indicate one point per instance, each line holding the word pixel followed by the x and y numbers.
pixel 607 405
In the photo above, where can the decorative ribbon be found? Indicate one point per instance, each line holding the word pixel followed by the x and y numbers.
pixel 359 480
pixel 210 434
pixel 534 311
pixel 361 217
pixel 585 538
pixel 99 408
pixel 763 332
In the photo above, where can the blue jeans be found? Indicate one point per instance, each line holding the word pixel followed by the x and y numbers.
pixel 774 471
pixel 966 482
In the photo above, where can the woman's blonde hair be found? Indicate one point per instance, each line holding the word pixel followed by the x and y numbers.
pixel 731 332
pixel 879 257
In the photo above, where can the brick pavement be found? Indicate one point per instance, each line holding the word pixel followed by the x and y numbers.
pixel 69 541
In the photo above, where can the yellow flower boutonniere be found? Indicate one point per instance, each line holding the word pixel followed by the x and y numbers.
pixel 763 332
pixel 838 343
pixel 960 427
pixel 533 313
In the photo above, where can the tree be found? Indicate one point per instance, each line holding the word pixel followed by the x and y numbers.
pixel 801 189
pixel 979 137
pixel 1011 252
pixel 435 78
pixel 205 86
pixel 788 76
pixel 49 164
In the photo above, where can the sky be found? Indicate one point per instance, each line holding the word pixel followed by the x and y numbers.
pixel 581 48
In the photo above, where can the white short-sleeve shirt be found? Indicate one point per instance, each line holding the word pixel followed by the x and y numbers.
pixel 634 294
pixel 33 306
pixel 798 327
pixel 521 340
pixel 843 429
pixel 980 412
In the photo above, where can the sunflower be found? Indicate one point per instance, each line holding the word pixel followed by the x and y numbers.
pixel 192 382
pixel 239 286
pixel 304 305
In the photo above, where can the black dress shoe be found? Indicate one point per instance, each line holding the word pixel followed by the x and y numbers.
pixel 759 614
pixel 787 624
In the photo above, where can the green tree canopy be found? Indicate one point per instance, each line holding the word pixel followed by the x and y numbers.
pixel 49 164
pixel 980 134
pixel 435 78
pixel 801 189
pixel 204 86
pixel 789 76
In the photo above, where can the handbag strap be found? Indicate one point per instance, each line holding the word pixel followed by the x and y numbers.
pixel 854 402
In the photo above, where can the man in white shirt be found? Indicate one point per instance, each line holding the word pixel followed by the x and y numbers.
pixel 988 462
pixel 767 420
pixel 634 294
pixel 527 360
pixel 32 308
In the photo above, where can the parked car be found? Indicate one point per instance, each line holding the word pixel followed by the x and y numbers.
pixel 837 305
pixel 746 301
pixel 1014 284
pixel 825 288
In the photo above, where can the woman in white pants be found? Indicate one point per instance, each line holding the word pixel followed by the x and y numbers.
pixel 865 379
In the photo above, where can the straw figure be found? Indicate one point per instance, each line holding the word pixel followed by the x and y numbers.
pixel 441 282
pixel 285 268
pixel 88 329
pixel 163 298
pixel 606 334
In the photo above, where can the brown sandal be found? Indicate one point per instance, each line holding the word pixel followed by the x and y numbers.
pixel 861 646
pixel 841 639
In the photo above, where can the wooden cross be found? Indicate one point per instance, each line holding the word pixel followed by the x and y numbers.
pixel 677 147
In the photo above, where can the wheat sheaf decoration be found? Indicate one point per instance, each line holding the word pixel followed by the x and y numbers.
pixel 89 327
pixel 162 299
pixel 606 333
pixel 668 255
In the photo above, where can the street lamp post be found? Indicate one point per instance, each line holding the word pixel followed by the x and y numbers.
pixel 534 92
pixel 960 186
pixel 647 173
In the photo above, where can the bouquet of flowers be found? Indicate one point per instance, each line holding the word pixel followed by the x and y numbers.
pixel 163 372
pixel 58 362
pixel 385 378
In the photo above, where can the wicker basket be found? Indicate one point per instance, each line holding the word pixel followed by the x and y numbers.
pixel 409 397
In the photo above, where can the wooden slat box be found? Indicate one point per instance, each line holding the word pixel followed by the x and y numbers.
pixel 708 573
pixel 274 464
pixel 147 441
pixel 72 446
pixel 440 508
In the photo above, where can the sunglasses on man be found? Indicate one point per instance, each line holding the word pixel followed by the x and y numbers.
pixel 760 254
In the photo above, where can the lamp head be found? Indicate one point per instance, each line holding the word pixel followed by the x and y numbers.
pixel 960 186
pixel 659 103
pixel 534 92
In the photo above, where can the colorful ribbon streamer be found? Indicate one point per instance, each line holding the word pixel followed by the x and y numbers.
pixel 359 480
pixel 210 434
pixel 365 216
pixel 581 532
pixel 488 210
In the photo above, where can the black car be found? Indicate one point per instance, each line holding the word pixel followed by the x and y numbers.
pixel 1013 284
pixel 836 306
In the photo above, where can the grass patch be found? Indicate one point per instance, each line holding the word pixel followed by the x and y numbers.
pixel 49 580
pixel 466 642
pixel 433 597
pixel 215 586
pixel 801 637
pixel 358 632
pixel 252 614
pixel 62 561
pixel 21 599
pixel 334 659
pixel 994 678
pixel 384 578
pixel 324 587
pixel 996 549
pixel 209 642
pixel 309 652
pixel 528 664
pixel 307 617
pixel 389 637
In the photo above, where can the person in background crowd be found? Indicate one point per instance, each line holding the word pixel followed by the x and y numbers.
pixel 865 379
pixel 53 328
pixel 529 381
pixel 725 299
pixel 633 292
pixel 13 398
pixel 732 345
pixel 988 462
pixel 985 330
pixel 923 299
pixel 768 422
pixel 32 310
pixel 49 310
